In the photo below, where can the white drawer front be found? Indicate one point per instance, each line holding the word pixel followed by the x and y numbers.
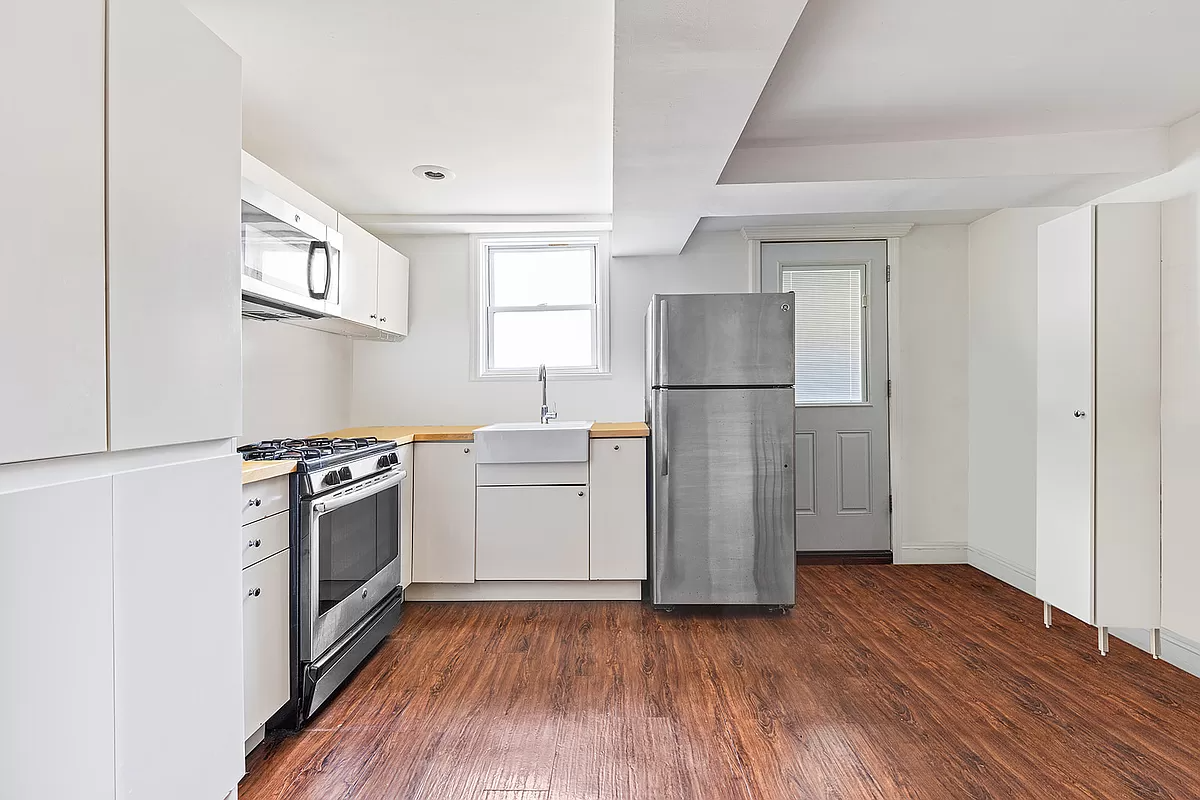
pixel 263 538
pixel 264 498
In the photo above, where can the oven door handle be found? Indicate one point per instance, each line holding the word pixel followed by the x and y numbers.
pixel 336 501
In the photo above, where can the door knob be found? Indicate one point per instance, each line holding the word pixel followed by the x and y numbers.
pixel 1080 413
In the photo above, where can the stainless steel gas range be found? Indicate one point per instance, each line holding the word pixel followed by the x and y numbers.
pixel 346 595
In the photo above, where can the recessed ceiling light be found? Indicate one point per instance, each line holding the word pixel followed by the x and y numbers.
pixel 432 172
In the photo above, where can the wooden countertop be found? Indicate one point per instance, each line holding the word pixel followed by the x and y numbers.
pixel 261 470
pixel 403 434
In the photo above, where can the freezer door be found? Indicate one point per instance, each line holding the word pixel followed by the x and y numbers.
pixel 724 497
pixel 722 340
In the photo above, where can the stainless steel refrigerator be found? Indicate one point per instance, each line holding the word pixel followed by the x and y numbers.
pixel 720 370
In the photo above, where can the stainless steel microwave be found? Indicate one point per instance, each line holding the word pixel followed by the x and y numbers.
pixel 291 261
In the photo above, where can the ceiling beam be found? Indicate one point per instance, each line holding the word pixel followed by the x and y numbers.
pixel 1134 151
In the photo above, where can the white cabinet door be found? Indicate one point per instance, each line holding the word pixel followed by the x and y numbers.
pixel 177 572
pixel 407 462
pixel 360 273
pixel 56 681
pixel 265 639
pixel 618 509
pixel 1065 413
pixel 174 183
pixel 393 290
pixel 532 533
pixel 444 513
pixel 52 229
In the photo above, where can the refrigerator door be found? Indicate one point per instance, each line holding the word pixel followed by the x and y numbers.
pixel 724 497
pixel 722 340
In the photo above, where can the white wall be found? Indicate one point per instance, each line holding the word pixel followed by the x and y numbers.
pixel 929 362
pixel 1181 416
pixel 1002 392
pixel 295 381
pixel 425 379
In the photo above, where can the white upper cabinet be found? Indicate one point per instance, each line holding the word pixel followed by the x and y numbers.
pixel 360 270
pixel 177 577
pixel 52 229
pixel 393 291
pixel 174 183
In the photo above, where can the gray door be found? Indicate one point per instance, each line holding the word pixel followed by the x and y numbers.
pixel 842 477
pixel 721 340
pixel 724 527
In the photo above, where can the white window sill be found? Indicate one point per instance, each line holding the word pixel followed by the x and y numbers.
pixel 552 376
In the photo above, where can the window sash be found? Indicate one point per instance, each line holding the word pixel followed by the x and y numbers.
pixel 864 354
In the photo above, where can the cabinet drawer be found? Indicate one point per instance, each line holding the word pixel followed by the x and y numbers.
pixel 264 498
pixel 264 538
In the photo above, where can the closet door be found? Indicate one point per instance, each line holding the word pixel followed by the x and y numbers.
pixel 1065 418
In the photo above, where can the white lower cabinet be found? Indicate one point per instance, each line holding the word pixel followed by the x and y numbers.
pixel 531 533
pixel 56 685
pixel 444 513
pixel 265 638
pixel 177 653
pixel 618 509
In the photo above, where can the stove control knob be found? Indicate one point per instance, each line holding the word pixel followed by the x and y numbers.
pixel 393 458
pixel 383 461
pixel 345 474
pixel 332 479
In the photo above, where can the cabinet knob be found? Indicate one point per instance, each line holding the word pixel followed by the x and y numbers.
pixel 1080 413
pixel 374 317
pixel 364 594
pixel 255 592
pixel 616 447
pixel 466 449
pixel 254 543
pixel 254 501
pixel 581 494
pixel 383 319
pixel 297 218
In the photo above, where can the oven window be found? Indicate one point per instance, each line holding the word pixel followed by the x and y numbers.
pixel 357 541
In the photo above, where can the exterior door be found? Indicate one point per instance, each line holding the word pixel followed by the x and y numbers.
pixel 723 497
pixel 843 484
pixel 1065 433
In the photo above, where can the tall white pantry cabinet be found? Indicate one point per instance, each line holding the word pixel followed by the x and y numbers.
pixel 120 565
pixel 1098 371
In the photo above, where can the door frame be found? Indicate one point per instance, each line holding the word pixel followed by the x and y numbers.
pixel 891 234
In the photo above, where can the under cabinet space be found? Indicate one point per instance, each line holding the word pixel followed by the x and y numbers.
pixel 531 533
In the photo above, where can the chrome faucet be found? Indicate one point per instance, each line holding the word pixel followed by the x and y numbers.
pixel 547 414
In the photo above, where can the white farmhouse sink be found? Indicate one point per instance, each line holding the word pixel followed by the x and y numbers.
pixel 532 443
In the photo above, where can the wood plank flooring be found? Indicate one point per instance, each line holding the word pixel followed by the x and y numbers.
pixel 885 682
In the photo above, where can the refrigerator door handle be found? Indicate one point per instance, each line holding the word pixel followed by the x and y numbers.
pixel 664 311
pixel 662 428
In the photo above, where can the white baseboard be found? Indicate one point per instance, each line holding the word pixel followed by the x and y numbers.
pixel 256 738
pixel 525 590
pixel 933 553
pixel 999 567
pixel 1180 652
pixel 1138 637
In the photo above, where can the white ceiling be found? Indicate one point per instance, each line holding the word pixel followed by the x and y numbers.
pixel 345 98
pixel 929 110
pixel 898 70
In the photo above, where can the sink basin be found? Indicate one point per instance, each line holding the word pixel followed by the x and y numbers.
pixel 531 443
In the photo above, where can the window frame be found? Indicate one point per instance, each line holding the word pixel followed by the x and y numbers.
pixel 483 312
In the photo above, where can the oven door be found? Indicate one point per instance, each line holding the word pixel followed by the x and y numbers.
pixel 349 558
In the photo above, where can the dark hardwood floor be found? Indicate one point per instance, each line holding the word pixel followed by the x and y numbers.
pixel 885 682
